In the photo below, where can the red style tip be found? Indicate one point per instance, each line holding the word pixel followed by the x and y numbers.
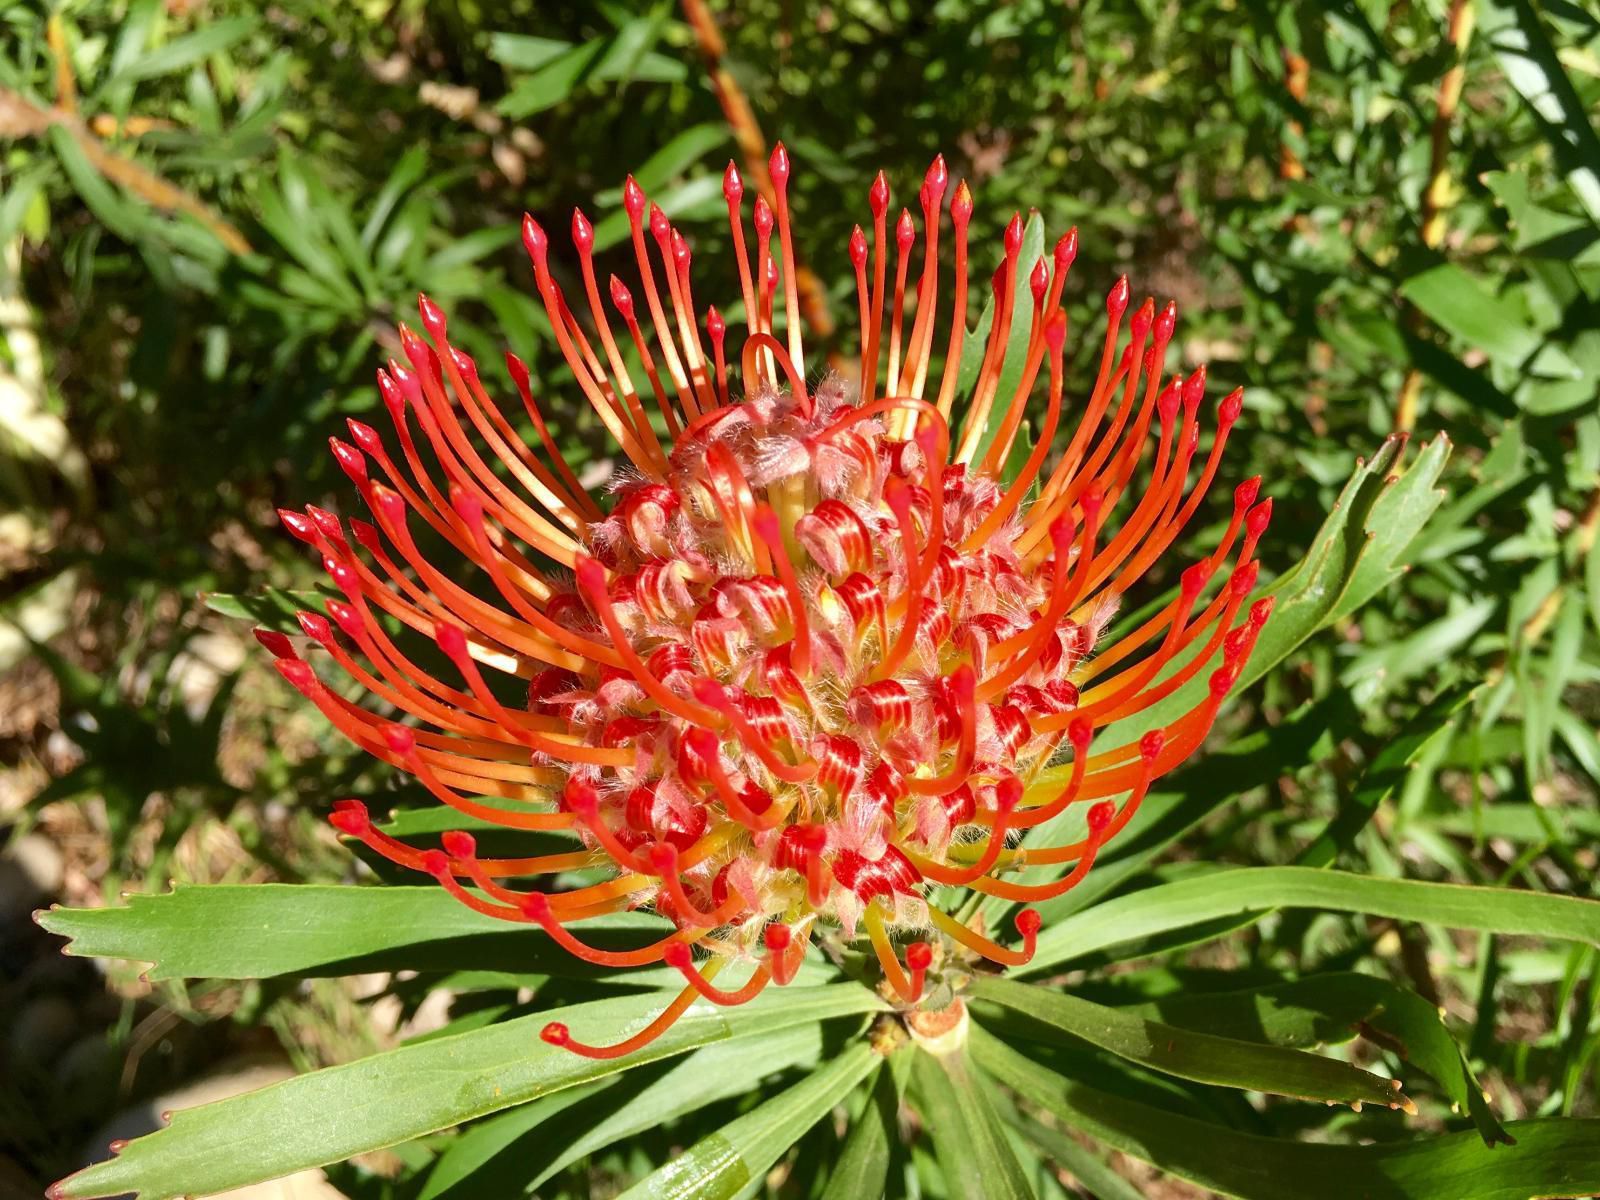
pixel 556 1034
pixel 451 639
pixel 1013 236
pixel 777 937
pixel 961 205
pixel 716 327
pixel 400 739
pixel 364 436
pixel 458 843
pixel 1243 581
pixel 763 217
pixel 1230 408
pixel 467 506
pixel 433 319
pixel 1260 517
pixel 274 643
pixel 660 227
pixel 1067 250
pixel 1150 744
pixel 1195 578
pixel 778 166
pixel 315 626
pixel 680 251
pixel 298 673
pixel 1166 323
pixel 905 232
pixel 1080 733
pixel 435 863
pixel 678 956
pixel 622 298
pixel 1194 387
pixel 1100 817
pixel 919 956
pixel 591 575
pixel 298 524
pixel 535 243
pixel 350 817
pixel 937 177
pixel 878 195
pixel 858 248
pixel 582 232
pixel 1142 318
pixel 517 369
pixel 1245 494
pixel 633 199
pixel 1117 299
pixel 1055 332
pixel 1029 922
pixel 732 185
pixel 1038 280
pixel 351 461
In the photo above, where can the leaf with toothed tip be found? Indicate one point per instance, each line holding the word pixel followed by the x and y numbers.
pixel 1552 1157
pixel 1187 1053
pixel 389 1098
pixel 1016 344
pixel 271 608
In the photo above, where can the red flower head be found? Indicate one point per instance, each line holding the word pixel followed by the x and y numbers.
pixel 819 651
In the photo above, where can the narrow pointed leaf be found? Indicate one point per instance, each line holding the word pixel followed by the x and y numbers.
pixel 1190 1053
pixel 968 1138
pixel 260 931
pixel 1228 892
pixel 725 1163
pixel 863 1166
pixel 1553 1157
pixel 388 1098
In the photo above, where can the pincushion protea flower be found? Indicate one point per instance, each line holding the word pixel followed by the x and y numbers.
pixel 816 656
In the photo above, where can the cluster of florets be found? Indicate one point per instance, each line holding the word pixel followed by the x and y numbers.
pixel 820 654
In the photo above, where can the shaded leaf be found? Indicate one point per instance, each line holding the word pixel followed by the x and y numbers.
pixel 1550 1158
pixel 1203 1057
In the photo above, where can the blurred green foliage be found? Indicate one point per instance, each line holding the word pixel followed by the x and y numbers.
pixel 202 256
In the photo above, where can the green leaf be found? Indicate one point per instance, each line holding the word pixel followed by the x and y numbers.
pixel 1517 36
pixel 332 1114
pixel 263 931
pixel 1332 1008
pixel 1464 308
pixel 1550 1158
pixel 1016 340
pixel 863 1166
pixel 967 1135
pixel 1190 1054
pixel 724 1163
pixel 524 52
pixel 121 216
pixel 1224 893
pixel 187 50
pixel 271 608
pixel 1085 1165
pixel 551 83
pixel 499 1157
